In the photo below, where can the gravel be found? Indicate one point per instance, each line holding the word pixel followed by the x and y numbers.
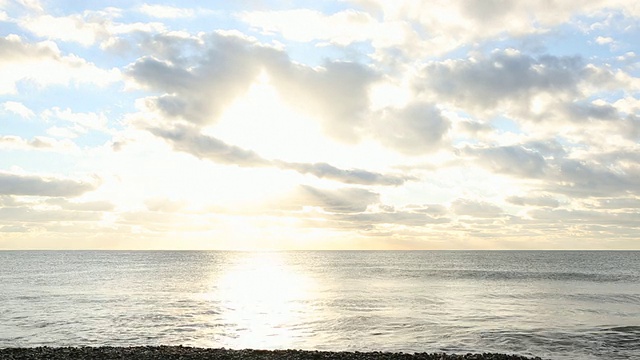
pixel 184 353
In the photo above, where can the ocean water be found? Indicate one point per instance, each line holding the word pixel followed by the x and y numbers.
pixel 556 305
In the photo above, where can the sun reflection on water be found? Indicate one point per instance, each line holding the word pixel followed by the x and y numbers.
pixel 262 301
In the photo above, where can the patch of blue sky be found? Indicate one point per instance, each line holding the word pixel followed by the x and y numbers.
pixel 607 95
pixel 78 97
pixel 46 161
pixel 528 44
pixel 505 125
pixel 14 125
pixel 316 53
pixel 325 7
pixel 8 27
pixel 68 7
pixel 92 139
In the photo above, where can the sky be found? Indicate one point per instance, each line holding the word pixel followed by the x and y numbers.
pixel 351 124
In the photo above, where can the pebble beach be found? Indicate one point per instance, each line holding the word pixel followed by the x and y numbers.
pixel 184 353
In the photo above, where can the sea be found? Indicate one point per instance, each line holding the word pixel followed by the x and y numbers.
pixel 553 304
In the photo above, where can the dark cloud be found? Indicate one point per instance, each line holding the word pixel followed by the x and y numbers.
pixel 582 179
pixel 630 127
pixel 582 111
pixel 604 175
pixel 512 160
pixel 337 92
pixel 618 203
pixel 415 129
pixel 545 201
pixel 188 139
pixel 547 148
pixel 351 176
pixel 433 210
pixel 478 209
pixel 197 83
pixel 197 86
pixel 601 218
pixel 488 11
pixel 12 184
pixel 29 215
pixel 485 82
pixel 406 218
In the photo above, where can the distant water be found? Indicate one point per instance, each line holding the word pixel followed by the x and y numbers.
pixel 556 305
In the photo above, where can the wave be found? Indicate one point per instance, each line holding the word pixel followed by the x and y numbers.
pixel 450 274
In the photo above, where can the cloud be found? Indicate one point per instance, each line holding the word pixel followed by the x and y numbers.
pixel 618 203
pixel 342 200
pixel 73 28
pixel 603 40
pixel 415 129
pixel 190 140
pixel 37 143
pixel 18 108
pixel 351 176
pixel 198 90
pixel 511 160
pixel 485 82
pixel 82 122
pixel 43 64
pixel 477 209
pixel 30 215
pixel 164 205
pixel 627 220
pixel 198 86
pixel 33 185
pixel 337 93
pixel 454 24
pixel 65 204
pixel 581 179
pixel 396 218
pixel 86 28
pixel 544 201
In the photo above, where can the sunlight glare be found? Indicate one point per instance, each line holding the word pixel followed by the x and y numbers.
pixel 262 298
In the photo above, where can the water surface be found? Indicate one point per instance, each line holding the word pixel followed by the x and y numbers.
pixel 557 305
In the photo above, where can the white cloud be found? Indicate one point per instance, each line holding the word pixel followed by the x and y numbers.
pixel 87 28
pixel 71 28
pixel 41 143
pixel 199 87
pixel 18 108
pixel 44 64
pixel 239 138
pixel 602 40
pixel 82 121
pixel 33 5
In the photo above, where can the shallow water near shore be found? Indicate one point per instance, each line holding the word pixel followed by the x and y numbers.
pixel 556 305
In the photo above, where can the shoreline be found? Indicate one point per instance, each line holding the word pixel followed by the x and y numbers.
pixel 185 352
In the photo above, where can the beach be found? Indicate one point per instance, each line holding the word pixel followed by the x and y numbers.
pixel 183 353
